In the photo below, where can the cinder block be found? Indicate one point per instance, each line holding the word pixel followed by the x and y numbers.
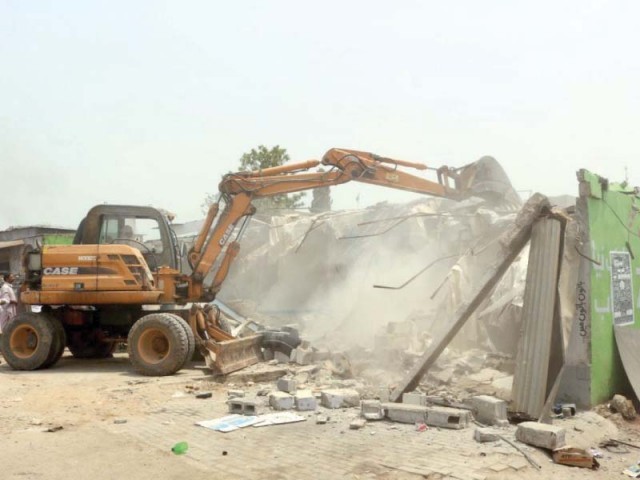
pixel 484 435
pixel 286 384
pixel 405 413
pixel 281 401
pixel 541 435
pixel 489 410
pixel 339 398
pixel 372 409
pixel 445 417
pixel 235 406
pixel 249 407
pixel 305 400
pixel 414 398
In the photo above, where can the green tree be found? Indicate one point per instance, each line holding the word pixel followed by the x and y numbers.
pixel 261 158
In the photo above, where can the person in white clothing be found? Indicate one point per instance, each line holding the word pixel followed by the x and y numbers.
pixel 8 301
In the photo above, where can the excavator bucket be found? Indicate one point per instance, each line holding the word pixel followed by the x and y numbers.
pixel 231 355
pixel 486 179
pixel 222 352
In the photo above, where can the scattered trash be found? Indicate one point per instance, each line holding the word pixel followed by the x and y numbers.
pixel 632 471
pixel 228 423
pixel 204 395
pixel 358 424
pixel 54 429
pixel 120 421
pixel 575 457
pixel 278 419
pixel 224 453
pixel 180 448
pixel 421 427
pixel 595 453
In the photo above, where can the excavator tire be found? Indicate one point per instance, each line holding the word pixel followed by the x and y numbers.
pixel 28 340
pixel 85 345
pixel 58 344
pixel 158 345
pixel 190 337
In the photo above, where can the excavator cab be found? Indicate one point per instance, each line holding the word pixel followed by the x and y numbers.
pixel 144 228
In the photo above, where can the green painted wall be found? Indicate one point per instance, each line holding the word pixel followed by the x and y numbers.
pixel 58 239
pixel 613 222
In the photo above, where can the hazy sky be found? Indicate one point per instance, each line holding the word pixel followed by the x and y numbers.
pixel 149 102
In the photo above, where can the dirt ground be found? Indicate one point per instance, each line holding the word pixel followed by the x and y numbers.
pixel 116 424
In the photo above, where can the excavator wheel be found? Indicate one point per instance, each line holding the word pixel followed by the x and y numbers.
pixel 86 344
pixel 190 337
pixel 58 344
pixel 28 340
pixel 158 344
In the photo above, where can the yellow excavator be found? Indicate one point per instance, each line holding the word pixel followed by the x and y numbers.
pixel 122 279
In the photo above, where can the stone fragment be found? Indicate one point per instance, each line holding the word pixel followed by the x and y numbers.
pixel 357 424
pixel 339 398
pixel 624 406
pixel 489 410
pixel 321 419
pixel 372 409
pixel 484 435
pixel 304 356
pixel 305 400
pixel 281 401
pixel 541 435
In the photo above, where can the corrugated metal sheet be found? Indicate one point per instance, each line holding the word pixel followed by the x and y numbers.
pixel 532 361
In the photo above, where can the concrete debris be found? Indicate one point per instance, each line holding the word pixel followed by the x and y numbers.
pixel 575 457
pixel 484 435
pixel 241 406
pixel 489 410
pixel 445 417
pixel 281 401
pixel 623 406
pixel 405 413
pixel 357 424
pixel 541 435
pixel 281 357
pixel 339 398
pixel 235 393
pixel 321 419
pixel 371 409
pixel 305 400
pixel 286 384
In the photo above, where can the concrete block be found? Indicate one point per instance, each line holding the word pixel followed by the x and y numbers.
pixel 286 384
pixel 489 410
pixel 235 393
pixel 484 435
pixel 293 354
pixel 541 435
pixel 445 417
pixel 405 413
pixel 305 400
pixel 281 401
pixel 280 357
pixel 339 398
pixel 304 356
pixel 371 409
pixel 357 424
pixel 235 406
pixel 267 354
pixel 249 407
pixel 414 398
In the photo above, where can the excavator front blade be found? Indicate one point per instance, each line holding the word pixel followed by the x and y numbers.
pixel 231 355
